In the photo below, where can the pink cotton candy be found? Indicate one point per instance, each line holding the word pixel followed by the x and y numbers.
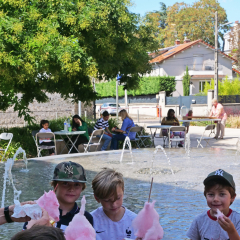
pixel 49 202
pixel 219 214
pixel 80 228
pixel 146 225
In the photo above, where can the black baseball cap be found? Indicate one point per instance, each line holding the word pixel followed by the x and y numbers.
pixel 220 174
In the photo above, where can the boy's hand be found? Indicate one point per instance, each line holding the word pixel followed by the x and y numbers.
pixel 226 224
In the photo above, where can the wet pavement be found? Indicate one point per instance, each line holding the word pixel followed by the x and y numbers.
pixel 179 197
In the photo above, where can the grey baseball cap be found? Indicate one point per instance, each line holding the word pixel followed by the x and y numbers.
pixel 220 174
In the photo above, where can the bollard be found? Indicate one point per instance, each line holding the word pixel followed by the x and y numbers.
pixel 85 114
pixel 159 113
pixel 138 115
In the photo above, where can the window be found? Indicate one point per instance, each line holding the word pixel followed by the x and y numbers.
pixel 197 62
pixel 202 85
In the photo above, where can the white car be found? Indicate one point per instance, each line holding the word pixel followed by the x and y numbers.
pixel 110 107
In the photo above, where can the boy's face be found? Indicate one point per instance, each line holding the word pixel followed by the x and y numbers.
pixel 111 207
pixel 45 126
pixel 105 118
pixel 68 192
pixel 219 198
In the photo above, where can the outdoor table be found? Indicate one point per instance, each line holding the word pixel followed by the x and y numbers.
pixel 67 134
pixel 202 120
pixel 156 128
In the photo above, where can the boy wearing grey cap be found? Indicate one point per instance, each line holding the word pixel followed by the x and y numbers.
pixel 220 192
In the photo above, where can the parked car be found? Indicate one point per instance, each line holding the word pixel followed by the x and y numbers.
pixel 110 107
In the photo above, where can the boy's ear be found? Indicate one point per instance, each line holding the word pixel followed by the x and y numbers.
pixel 97 199
pixel 233 198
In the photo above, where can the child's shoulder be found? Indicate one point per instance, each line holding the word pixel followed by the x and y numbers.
pixel 129 213
pixel 97 212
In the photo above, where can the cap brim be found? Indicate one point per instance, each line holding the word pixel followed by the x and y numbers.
pixel 69 180
pixel 217 177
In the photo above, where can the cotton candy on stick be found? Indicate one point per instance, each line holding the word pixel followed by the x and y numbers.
pixel 146 225
pixel 219 214
pixel 49 202
pixel 80 228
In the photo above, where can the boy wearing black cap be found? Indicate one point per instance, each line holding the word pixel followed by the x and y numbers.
pixel 69 180
pixel 220 194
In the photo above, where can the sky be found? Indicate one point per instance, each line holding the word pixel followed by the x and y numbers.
pixel 142 6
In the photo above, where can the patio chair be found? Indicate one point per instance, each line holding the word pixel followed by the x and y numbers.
pixel 7 137
pixel 205 138
pixel 44 147
pixel 176 139
pixel 98 132
pixel 138 140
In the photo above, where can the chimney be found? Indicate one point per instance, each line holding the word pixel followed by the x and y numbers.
pixel 237 22
pixel 177 42
pixel 186 40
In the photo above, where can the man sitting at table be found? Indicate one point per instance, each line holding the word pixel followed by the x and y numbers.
pixel 102 123
pixel 173 121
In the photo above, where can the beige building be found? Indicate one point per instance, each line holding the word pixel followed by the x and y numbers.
pixel 198 56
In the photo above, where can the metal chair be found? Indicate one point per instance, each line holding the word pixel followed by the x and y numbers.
pixel 176 139
pixel 44 147
pixel 98 132
pixel 138 139
pixel 206 139
pixel 7 137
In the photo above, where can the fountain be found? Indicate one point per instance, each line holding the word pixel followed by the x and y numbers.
pixel 8 174
pixel 187 145
pixel 154 154
pixel 128 143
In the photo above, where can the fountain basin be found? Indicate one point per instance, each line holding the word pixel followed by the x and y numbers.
pixel 179 197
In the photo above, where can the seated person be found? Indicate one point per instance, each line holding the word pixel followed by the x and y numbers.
pixel 102 123
pixel 112 221
pixel 79 125
pixel 44 124
pixel 187 124
pixel 173 121
pixel 126 126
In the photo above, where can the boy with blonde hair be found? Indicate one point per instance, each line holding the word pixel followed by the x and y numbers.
pixel 112 221
pixel 220 194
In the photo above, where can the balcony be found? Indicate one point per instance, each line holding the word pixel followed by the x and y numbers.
pixel 203 67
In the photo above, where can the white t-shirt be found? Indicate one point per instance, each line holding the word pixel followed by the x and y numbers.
pixel 106 229
pixel 205 227
pixel 44 131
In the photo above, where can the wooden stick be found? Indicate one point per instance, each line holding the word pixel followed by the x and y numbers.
pixel 150 190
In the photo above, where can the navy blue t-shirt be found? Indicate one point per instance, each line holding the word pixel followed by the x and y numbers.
pixel 66 219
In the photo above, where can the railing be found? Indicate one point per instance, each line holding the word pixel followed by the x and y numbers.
pixel 203 67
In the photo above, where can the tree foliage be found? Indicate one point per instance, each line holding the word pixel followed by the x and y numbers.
pixel 58 45
pixel 234 42
pixel 225 87
pixel 147 85
pixel 186 83
pixel 157 19
pixel 194 21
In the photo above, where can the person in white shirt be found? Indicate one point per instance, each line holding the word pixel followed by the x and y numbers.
pixel 112 220
pixel 44 124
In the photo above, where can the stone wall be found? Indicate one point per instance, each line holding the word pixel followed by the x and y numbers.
pixel 55 108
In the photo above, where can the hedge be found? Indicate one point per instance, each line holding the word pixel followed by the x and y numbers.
pixel 147 85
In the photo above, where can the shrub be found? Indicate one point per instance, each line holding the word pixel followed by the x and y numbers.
pixel 147 85
pixel 186 83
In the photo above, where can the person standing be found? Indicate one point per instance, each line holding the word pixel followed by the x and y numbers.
pixel 218 112
pixel 102 123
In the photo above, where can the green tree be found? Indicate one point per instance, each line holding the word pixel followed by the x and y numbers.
pixel 225 87
pixel 194 21
pixel 186 83
pixel 58 45
pixel 157 20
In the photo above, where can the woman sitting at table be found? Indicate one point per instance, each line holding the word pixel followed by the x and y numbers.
pixel 173 121
pixel 122 133
pixel 79 125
